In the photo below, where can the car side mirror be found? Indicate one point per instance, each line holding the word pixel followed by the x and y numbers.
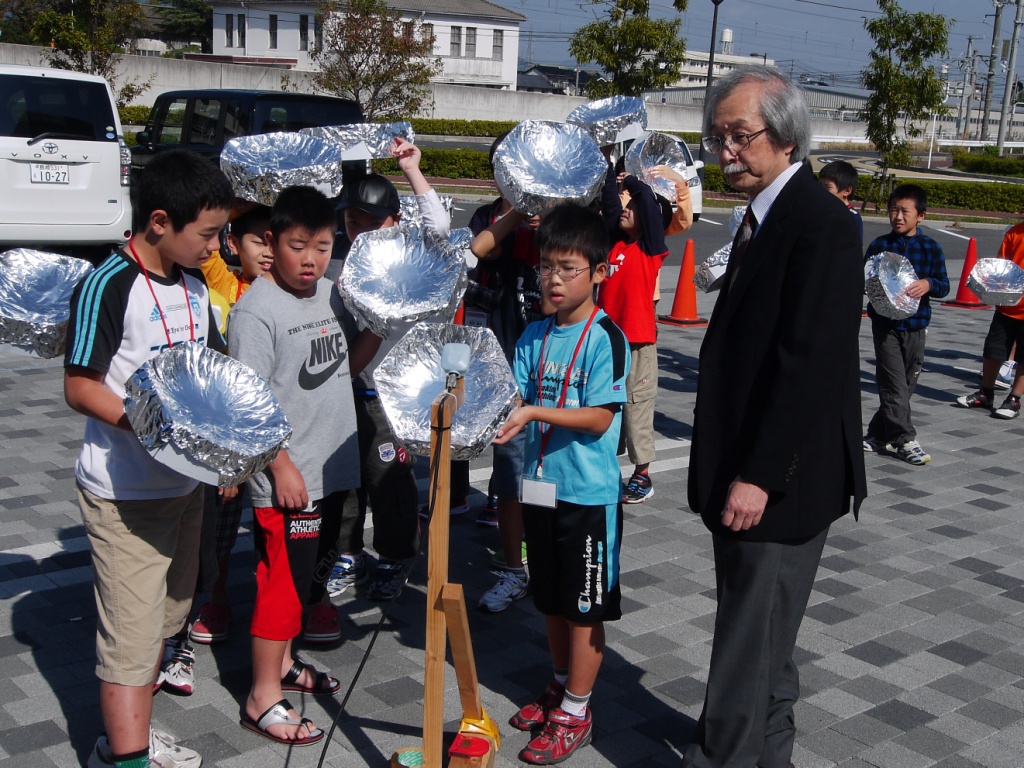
pixel 142 137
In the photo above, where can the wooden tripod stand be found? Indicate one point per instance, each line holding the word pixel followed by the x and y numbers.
pixel 478 736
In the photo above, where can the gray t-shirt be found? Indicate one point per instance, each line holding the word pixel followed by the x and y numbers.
pixel 299 347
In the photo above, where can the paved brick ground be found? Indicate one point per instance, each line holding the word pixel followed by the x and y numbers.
pixel 911 652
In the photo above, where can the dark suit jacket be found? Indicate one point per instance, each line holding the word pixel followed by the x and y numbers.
pixel 778 397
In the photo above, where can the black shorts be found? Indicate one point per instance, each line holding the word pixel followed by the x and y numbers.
pixel 1002 335
pixel 574 560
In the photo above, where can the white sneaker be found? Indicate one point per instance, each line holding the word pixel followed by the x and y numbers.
pixel 176 667
pixel 1007 371
pixel 512 585
pixel 912 453
pixel 163 753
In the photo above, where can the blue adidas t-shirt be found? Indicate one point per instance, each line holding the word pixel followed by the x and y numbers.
pixel 583 465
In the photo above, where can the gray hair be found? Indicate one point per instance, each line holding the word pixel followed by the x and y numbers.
pixel 783 106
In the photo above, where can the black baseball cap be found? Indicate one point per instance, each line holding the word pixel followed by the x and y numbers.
pixel 373 194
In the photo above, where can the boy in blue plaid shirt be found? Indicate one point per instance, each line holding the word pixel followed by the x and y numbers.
pixel 899 344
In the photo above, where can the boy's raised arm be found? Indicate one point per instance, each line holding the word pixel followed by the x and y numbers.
pixel 648 214
pixel 434 215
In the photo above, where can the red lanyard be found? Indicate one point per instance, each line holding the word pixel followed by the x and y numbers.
pixel 546 433
pixel 159 309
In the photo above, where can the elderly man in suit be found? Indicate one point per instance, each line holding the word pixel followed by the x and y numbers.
pixel 776 454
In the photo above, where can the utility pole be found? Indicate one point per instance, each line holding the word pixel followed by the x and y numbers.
pixel 967 97
pixel 990 80
pixel 1004 118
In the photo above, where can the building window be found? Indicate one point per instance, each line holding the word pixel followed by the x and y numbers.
pixel 427 31
pixel 456 49
pixel 273 31
pixel 303 32
pixel 407 30
pixel 241 30
pixel 229 31
pixel 470 42
pixel 498 49
pixel 318 32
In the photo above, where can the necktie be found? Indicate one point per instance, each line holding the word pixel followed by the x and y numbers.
pixel 739 247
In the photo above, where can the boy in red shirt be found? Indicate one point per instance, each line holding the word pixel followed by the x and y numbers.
pixel 626 296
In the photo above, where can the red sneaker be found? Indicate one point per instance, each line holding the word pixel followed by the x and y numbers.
pixel 211 624
pixel 323 625
pixel 535 714
pixel 563 734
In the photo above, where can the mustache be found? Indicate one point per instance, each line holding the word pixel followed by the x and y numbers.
pixel 735 168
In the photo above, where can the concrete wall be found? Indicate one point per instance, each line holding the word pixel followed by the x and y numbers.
pixel 449 101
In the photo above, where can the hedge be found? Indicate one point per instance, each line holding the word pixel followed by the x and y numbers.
pixel 441 127
pixel 134 115
pixel 988 164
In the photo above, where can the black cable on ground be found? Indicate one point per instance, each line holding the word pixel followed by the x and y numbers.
pixel 432 499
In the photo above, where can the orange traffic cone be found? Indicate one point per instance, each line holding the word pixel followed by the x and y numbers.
pixel 965 298
pixel 684 305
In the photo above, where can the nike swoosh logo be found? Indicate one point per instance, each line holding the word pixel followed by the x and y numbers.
pixel 310 381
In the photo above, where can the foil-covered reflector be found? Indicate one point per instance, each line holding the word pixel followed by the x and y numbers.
pixel 401 275
pixel 887 277
pixel 540 164
pixel 261 166
pixel 409 209
pixel 205 415
pixel 35 298
pixel 653 150
pixel 410 378
pixel 736 219
pixel 364 140
pixel 999 282
pixel 605 118
pixel 710 273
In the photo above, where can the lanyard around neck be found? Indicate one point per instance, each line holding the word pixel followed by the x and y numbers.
pixel 159 309
pixel 546 438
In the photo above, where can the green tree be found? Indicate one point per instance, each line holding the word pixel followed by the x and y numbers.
pixel 637 52
pixel 91 36
pixel 369 54
pixel 16 20
pixel 905 88
pixel 189 20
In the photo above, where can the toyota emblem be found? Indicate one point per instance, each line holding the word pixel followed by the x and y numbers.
pixel 50 148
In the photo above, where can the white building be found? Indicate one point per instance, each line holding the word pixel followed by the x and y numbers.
pixel 476 40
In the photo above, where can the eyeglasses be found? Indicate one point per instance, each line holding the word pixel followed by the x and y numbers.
pixel 565 274
pixel 736 142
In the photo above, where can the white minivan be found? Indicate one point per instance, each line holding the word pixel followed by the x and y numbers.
pixel 64 165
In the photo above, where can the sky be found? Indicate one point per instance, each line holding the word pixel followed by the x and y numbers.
pixel 805 37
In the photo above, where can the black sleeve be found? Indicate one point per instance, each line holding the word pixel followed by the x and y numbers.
pixel 611 205
pixel 652 230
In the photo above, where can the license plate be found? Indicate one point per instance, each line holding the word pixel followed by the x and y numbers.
pixel 49 173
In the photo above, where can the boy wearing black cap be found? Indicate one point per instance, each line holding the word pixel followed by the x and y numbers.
pixel 388 482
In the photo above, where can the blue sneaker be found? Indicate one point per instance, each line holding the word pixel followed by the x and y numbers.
pixel 348 571
pixel 638 489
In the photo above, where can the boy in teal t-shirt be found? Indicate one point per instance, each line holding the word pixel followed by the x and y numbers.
pixel 571 370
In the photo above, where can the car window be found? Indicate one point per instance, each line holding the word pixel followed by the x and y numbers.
pixel 293 115
pixel 203 128
pixel 170 123
pixel 236 121
pixel 34 106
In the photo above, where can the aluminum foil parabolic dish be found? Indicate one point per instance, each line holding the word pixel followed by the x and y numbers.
pixel 709 273
pixel 410 378
pixel 999 282
pixel 205 415
pixel 887 277
pixel 650 151
pixel 376 137
pixel 540 164
pixel 35 298
pixel 261 166
pixel 402 274
pixel 604 118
